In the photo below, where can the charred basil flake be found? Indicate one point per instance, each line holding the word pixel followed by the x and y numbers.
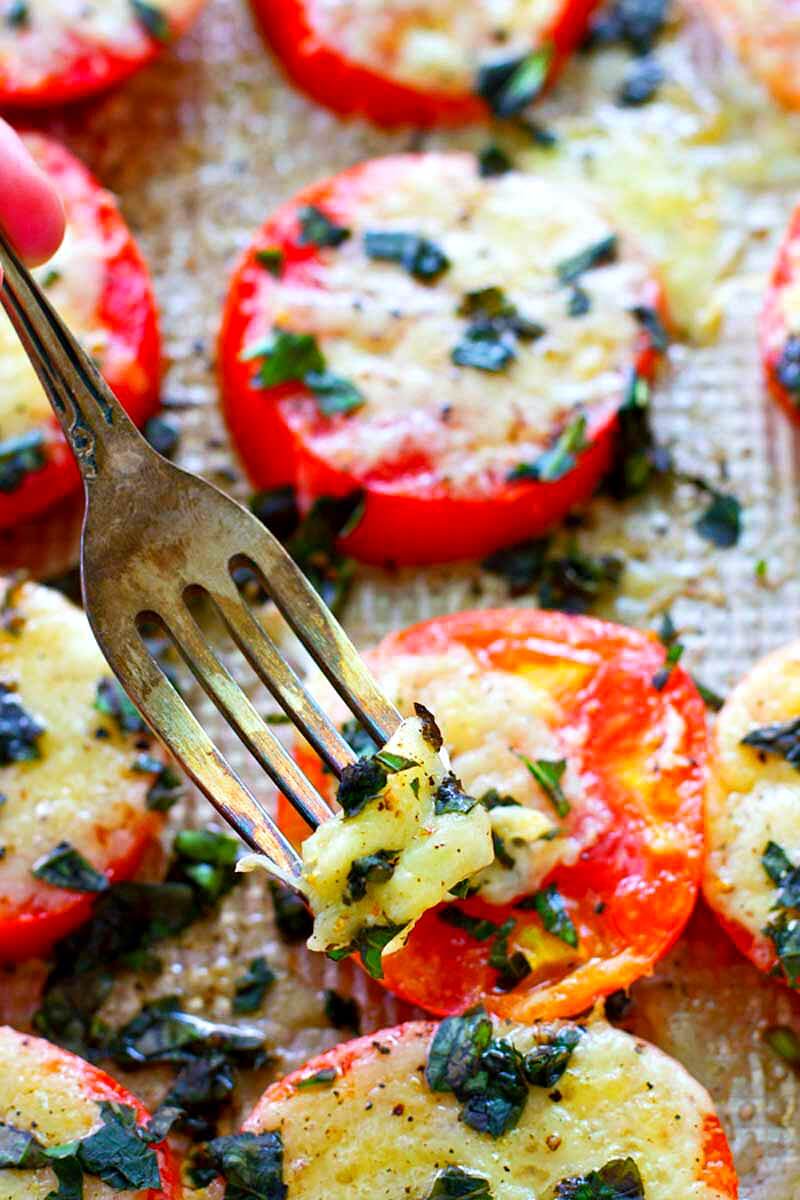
pixel 548 773
pixel 641 83
pixel 201 1088
pixel 619 1179
pixel 430 730
pixel 450 797
pixel 19 730
pixel 360 783
pixel 418 255
pixel 493 161
pixel 372 868
pixel 510 85
pixel 560 459
pixel 65 867
pixel 112 700
pixel 511 968
pixel 252 987
pixel 721 523
pixel 550 906
pixel 19 457
pixel 333 393
pixel 318 229
pixel 652 324
pixel 319 1079
pixel 598 254
pixel 343 1012
pixel 271 258
pixel 782 739
pixel 521 565
pixel 153 19
pixel 546 1063
pixel 292 918
pixel 571 582
pixel 162 435
pixel 454 1183
pixel 251 1165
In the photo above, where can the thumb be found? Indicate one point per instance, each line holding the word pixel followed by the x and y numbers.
pixel 30 210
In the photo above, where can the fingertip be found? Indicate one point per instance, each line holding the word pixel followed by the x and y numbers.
pixel 31 212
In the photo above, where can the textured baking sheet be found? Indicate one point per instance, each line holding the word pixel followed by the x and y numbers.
pixel 199 149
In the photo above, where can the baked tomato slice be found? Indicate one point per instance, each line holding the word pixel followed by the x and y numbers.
pixel 780 323
pixel 55 51
pixel 572 1106
pixel 56 1099
pixel 99 283
pixel 400 63
pixel 455 347
pixel 752 872
pixel 582 720
pixel 766 36
pixel 82 784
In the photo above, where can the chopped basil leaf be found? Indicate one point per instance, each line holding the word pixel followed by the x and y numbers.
pixel 787 368
pixel 619 1179
pixel 450 797
pixel 117 1154
pixel 493 161
pixel 637 455
pixel 721 523
pixel 430 730
pixel 318 229
pixel 17 14
pixel 394 763
pixel 68 1172
pixel 19 457
pixel 712 700
pixel 372 868
pixel 785 1042
pixel 252 987
pixel 360 783
pixel 112 700
pixel 271 258
pixel 456 1050
pixel 572 581
pixel 511 968
pixel 166 790
pixel 326 1076
pixel 153 19
pixel 251 1165
pixel 314 545
pixel 162 1033
pixel 579 303
pixel 544 1065
pixel 288 357
pixel 551 908
pixel 292 917
pixel 19 730
pixel 597 255
pixel 485 348
pixel 358 739
pixel 478 928
pixel 501 854
pixel 420 257
pixel 548 773
pixel 65 867
pixel 642 80
pixel 784 873
pixel 560 459
pixel 512 84
pixel 784 933
pixel 491 306
pixel 484 1074
pixel 635 23
pixel 370 945
pixel 343 1012
pixel 454 1183
pixel 782 739
pixel 162 435
pixel 333 393
pixel 20 1149
pixel 204 845
pixel 651 322
pixel 493 799
pixel 277 510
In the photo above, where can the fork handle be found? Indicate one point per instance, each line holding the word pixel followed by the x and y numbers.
pixel 92 419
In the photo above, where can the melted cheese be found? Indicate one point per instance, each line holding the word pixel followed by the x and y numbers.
pixel 43 1090
pixel 82 789
pixel 378 1133
pixel 58 31
pixel 393 335
pixel 434 46
pixel 752 798
pixel 488 719
pixel 435 852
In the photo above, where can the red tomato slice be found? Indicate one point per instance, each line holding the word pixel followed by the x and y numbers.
pixel 125 321
pixel 61 1086
pixel 87 790
pixel 349 56
pixel 766 37
pixel 780 324
pixel 64 51
pixel 434 445
pixel 377 1125
pixel 640 753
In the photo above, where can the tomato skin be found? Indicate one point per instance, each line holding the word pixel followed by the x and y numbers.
pixel 99 1086
pixel 404 521
pixel 646 886
pixel 353 90
pixel 90 70
pixel 127 310
pixel 774 329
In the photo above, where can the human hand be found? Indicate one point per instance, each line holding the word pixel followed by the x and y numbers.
pixel 30 210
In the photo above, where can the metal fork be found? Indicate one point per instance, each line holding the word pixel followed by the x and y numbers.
pixel 153 535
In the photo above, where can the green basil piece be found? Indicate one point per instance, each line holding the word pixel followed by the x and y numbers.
pixel 318 229
pixel 333 393
pixel 450 797
pixel 550 906
pixel 598 254
pixel 20 731
pixel 781 739
pixel 20 457
pixel 721 523
pixel 454 1183
pixel 548 773
pixel 117 1154
pixel 112 700
pixel 271 258
pixel 64 867
pixel 371 868
pixel 418 255
pixel 251 1165
pixel 512 84
pixel 253 986
pixel 547 1062
pixel 323 1078
pixel 560 459
pixel 153 19
pixel 619 1179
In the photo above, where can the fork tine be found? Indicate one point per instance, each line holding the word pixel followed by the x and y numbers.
pixel 172 721
pixel 273 671
pixel 252 730
pixel 323 637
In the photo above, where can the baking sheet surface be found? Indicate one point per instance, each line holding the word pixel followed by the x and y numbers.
pixel 199 149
